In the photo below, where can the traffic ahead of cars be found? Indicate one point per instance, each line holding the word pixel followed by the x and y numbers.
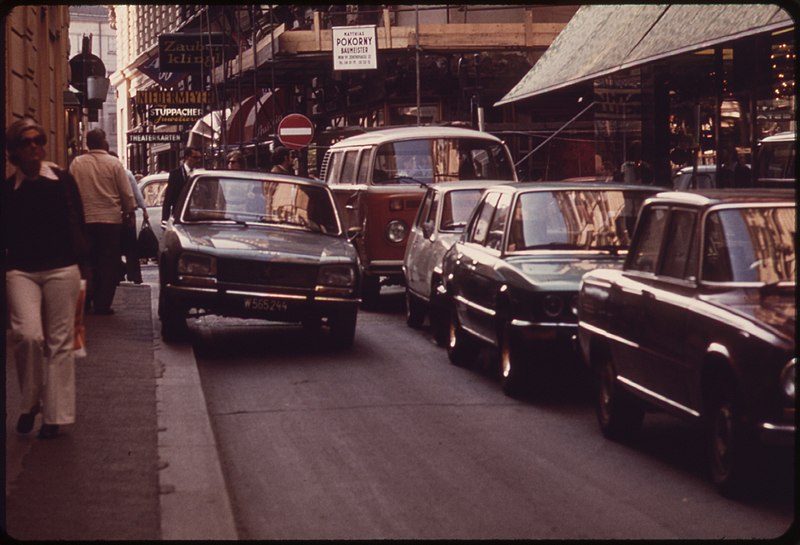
pixel 680 301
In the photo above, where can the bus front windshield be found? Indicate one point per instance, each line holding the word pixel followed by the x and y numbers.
pixel 433 160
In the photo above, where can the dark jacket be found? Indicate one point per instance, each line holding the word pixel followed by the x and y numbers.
pixel 43 224
pixel 175 183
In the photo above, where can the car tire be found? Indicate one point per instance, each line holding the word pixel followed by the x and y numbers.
pixel 415 310
pixel 730 451
pixel 461 348
pixel 619 413
pixel 173 319
pixel 370 291
pixel 437 316
pixel 514 374
pixel 343 329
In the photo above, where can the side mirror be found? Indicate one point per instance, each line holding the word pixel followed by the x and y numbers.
pixel 427 229
pixel 353 233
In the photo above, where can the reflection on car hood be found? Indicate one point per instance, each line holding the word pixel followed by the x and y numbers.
pixel 776 311
pixel 234 239
pixel 561 272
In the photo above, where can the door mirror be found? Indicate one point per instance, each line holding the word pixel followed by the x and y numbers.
pixel 427 229
pixel 353 233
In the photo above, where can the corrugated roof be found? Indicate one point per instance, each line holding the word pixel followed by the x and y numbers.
pixel 601 39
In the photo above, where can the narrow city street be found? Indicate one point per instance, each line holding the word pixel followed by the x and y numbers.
pixel 390 441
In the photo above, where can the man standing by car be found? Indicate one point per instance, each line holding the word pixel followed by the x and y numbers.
pixel 282 161
pixel 107 196
pixel 177 178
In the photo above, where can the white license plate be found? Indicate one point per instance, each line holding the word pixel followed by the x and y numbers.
pixel 265 305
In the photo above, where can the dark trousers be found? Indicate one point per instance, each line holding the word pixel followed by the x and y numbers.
pixel 104 262
pixel 132 268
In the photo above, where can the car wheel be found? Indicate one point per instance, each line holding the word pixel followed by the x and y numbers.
pixel 343 329
pixel 619 414
pixel 513 372
pixel 437 315
pixel 415 310
pixel 173 319
pixel 729 451
pixel 461 348
pixel 370 291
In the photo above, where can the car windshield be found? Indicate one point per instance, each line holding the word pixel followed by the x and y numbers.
pixel 750 245
pixel 283 203
pixel 433 160
pixel 457 207
pixel 153 192
pixel 574 219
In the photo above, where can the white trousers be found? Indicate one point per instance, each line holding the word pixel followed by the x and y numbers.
pixel 41 307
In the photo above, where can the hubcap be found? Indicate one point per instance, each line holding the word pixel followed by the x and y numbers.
pixel 723 432
pixel 505 359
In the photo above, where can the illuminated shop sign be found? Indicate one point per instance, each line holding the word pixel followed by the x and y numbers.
pixel 153 137
pixel 172 98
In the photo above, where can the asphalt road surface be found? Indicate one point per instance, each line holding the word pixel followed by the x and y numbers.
pixel 390 441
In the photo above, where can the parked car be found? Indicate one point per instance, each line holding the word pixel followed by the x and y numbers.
pixel 512 278
pixel 776 161
pixel 378 179
pixel 256 245
pixel 440 221
pixel 700 323
pixel 153 187
pixel 705 177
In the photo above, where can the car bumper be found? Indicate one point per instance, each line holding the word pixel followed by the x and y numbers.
pixel 286 307
pixel 778 434
pixel 546 331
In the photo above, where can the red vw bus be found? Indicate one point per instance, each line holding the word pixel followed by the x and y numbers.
pixel 378 179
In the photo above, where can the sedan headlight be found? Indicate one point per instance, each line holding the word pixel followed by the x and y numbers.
pixel 789 379
pixel 337 276
pixel 197 265
pixel 396 231
pixel 552 305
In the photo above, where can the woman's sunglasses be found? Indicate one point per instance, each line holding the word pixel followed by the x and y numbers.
pixel 39 140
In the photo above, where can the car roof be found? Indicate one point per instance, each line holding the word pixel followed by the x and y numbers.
pixel 407 133
pixel 577 186
pixel 466 184
pixel 788 136
pixel 157 177
pixel 710 197
pixel 256 176
pixel 700 168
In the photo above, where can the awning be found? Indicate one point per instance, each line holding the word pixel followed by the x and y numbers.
pixel 602 39
pixel 245 123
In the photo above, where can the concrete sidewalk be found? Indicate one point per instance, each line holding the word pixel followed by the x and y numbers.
pixel 140 463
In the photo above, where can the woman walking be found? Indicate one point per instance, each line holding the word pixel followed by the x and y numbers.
pixel 43 243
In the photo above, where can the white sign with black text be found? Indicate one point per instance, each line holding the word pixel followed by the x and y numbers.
pixel 355 47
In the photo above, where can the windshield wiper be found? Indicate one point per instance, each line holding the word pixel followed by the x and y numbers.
pixel 554 246
pixel 772 287
pixel 613 249
pixel 403 180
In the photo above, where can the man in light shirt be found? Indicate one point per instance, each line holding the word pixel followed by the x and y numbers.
pixel 107 196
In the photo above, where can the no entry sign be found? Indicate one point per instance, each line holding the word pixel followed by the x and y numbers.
pixel 295 131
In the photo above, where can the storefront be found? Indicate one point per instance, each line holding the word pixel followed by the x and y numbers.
pixel 676 85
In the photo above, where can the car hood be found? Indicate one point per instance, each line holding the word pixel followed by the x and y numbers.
pixel 776 311
pixel 561 272
pixel 232 240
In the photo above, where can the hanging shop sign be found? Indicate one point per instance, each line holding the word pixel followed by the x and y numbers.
pixel 153 137
pixel 355 47
pixel 163 115
pixel 172 98
pixel 193 52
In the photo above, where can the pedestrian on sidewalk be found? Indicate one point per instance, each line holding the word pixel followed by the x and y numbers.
pixel 43 245
pixel 282 161
pixel 192 157
pixel 107 197
pixel 131 269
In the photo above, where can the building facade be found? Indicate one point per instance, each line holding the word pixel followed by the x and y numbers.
pixel 435 64
pixel 36 73
pixel 93 22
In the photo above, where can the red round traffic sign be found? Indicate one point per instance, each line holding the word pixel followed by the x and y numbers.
pixel 295 131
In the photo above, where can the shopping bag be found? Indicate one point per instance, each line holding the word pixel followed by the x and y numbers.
pixel 146 242
pixel 79 345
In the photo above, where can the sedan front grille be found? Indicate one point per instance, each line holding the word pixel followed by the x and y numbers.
pixel 279 275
